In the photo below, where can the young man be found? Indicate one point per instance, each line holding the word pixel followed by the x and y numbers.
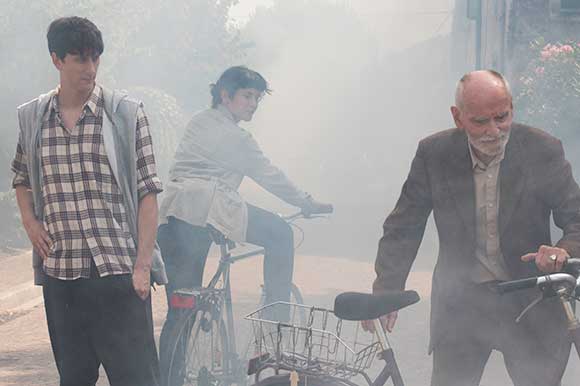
pixel 212 159
pixel 86 185
pixel 492 185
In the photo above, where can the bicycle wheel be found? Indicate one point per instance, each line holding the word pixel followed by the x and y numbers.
pixel 296 297
pixel 200 354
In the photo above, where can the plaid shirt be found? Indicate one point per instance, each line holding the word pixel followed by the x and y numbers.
pixel 83 205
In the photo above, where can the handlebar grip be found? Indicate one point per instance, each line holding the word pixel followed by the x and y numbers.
pixel 572 266
pixel 515 285
pixel 326 209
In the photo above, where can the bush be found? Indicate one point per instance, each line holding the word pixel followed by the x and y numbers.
pixel 549 87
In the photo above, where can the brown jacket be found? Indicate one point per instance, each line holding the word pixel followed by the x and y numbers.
pixel 535 181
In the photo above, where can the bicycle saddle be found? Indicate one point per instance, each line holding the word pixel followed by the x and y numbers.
pixel 219 239
pixel 360 306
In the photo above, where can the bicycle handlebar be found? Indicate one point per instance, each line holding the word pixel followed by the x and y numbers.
pixel 570 277
pixel 515 285
pixel 302 214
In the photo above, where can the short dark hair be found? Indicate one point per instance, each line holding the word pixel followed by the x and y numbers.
pixel 235 78
pixel 74 35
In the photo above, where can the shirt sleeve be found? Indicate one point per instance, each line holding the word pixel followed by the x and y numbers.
pixel 241 152
pixel 147 179
pixel 19 167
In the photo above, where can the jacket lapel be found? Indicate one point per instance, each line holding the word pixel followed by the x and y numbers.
pixel 511 180
pixel 459 176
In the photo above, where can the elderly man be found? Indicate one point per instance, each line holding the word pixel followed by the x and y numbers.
pixel 492 186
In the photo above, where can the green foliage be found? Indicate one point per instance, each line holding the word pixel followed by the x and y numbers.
pixel 165 52
pixel 175 46
pixel 167 120
pixel 549 87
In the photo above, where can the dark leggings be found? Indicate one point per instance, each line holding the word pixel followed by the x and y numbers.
pixel 185 247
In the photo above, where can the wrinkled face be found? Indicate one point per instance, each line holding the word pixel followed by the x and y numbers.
pixel 243 103
pixel 486 117
pixel 77 71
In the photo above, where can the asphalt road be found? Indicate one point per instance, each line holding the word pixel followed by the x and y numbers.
pixel 26 358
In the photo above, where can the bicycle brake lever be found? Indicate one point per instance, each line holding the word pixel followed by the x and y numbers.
pixel 534 303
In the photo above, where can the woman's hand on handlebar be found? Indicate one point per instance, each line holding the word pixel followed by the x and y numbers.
pixel 316 207
pixel 387 321
pixel 548 259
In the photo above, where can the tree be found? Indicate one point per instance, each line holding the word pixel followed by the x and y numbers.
pixel 177 47
pixel 165 52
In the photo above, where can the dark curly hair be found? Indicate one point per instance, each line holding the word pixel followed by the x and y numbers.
pixel 74 35
pixel 235 78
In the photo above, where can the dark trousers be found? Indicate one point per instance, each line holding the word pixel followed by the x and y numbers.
pixel 185 247
pixel 535 351
pixel 101 321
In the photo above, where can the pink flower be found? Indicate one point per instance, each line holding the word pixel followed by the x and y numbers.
pixel 546 54
pixel 566 48
pixel 539 70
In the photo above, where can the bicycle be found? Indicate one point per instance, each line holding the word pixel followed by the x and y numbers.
pixel 565 285
pixel 322 353
pixel 329 349
pixel 205 333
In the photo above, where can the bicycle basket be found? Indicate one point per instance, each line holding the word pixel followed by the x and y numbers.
pixel 313 342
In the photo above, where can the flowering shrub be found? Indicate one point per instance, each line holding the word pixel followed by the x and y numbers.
pixel 549 89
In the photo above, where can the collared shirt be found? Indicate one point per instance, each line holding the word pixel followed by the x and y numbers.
pixel 491 264
pixel 210 163
pixel 83 205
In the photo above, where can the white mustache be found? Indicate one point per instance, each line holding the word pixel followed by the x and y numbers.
pixel 493 139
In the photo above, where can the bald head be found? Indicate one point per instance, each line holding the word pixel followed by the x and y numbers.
pixel 477 85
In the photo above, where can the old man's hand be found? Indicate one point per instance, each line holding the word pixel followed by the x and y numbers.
pixel 548 259
pixel 387 321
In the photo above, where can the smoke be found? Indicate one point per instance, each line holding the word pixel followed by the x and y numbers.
pixel 353 94
pixel 356 85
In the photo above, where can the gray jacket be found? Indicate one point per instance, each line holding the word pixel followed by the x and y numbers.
pixel 210 163
pixel 119 140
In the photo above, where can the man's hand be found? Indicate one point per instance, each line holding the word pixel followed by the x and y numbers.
pixel 387 321
pixel 142 280
pixel 39 237
pixel 548 259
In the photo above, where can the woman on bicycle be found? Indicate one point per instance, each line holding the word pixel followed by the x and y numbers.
pixel 210 163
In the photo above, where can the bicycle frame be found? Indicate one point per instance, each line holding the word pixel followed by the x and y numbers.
pixel 219 289
pixel 391 369
pixel 573 322
pixel 223 273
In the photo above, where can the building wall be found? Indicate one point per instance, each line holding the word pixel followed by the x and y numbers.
pixel 492 48
pixel 493 36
